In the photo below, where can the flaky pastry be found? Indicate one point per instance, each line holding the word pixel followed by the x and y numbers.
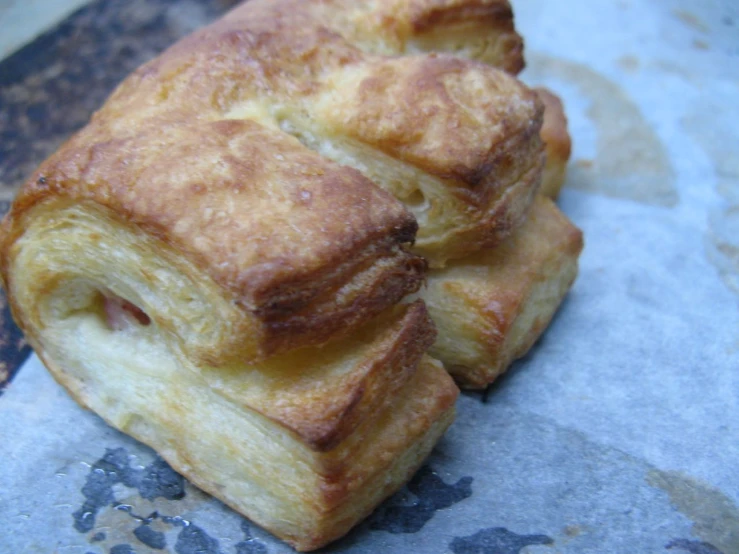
pixel 213 264
pixel 305 444
pixel 557 142
pixel 492 306
pixel 455 140
pixel 482 30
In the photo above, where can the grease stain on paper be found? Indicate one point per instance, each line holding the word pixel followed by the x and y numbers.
pixel 701 44
pixel 631 161
pixel 150 537
pixel 572 530
pixel 154 481
pixel 691 20
pixel 693 547
pixel 117 495
pixel 250 545
pixel 717 139
pixel 715 517
pixel 716 135
pixel 431 495
pixel 122 549
pixel 496 540
pixel 194 540
pixel 629 63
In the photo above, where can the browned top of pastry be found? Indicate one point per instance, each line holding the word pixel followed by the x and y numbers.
pixel 250 203
pixel 475 29
pixel 190 148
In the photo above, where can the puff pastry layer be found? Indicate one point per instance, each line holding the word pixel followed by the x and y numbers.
pixel 557 142
pixel 482 30
pixel 237 236
pixel 212 263
pixel 305 444
pixel 198 141
pixel 492 306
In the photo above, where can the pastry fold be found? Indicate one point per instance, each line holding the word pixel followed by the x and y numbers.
pixel 492 306
pixel 476 29
pixel 305 444
pixel 455 140
pixel 557 142
pixel 271 247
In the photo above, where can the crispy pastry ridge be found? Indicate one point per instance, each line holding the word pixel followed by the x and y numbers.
pixel 492 306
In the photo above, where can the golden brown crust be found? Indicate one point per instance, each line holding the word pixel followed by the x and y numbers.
pixel 189 149
pixel 324 412
pixel 464 136
pixel 557 142
pixel 476 29
pixel 492 306
pixel 448 117
pixel 279 235
pixel 233 433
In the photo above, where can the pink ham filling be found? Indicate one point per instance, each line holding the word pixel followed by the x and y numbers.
pixel 120 313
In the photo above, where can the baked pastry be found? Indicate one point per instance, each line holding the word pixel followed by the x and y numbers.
pixel 455 140
pixel 481 30
pixel 236 238
pixel 492 306
pixel 305 444
pixel 557 143
pixel 213 263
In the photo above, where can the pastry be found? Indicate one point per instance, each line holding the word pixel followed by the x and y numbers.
pixel 557 143
pixel 214 263
pixel 235 238
pixel 492 306
pixel 482 30
pixel 455 140
pixel 305 444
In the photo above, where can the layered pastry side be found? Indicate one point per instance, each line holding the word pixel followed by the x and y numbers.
pixel 492 306
pixel 215 263
pixel 557 142
pixel 455 140
pixel 305 443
